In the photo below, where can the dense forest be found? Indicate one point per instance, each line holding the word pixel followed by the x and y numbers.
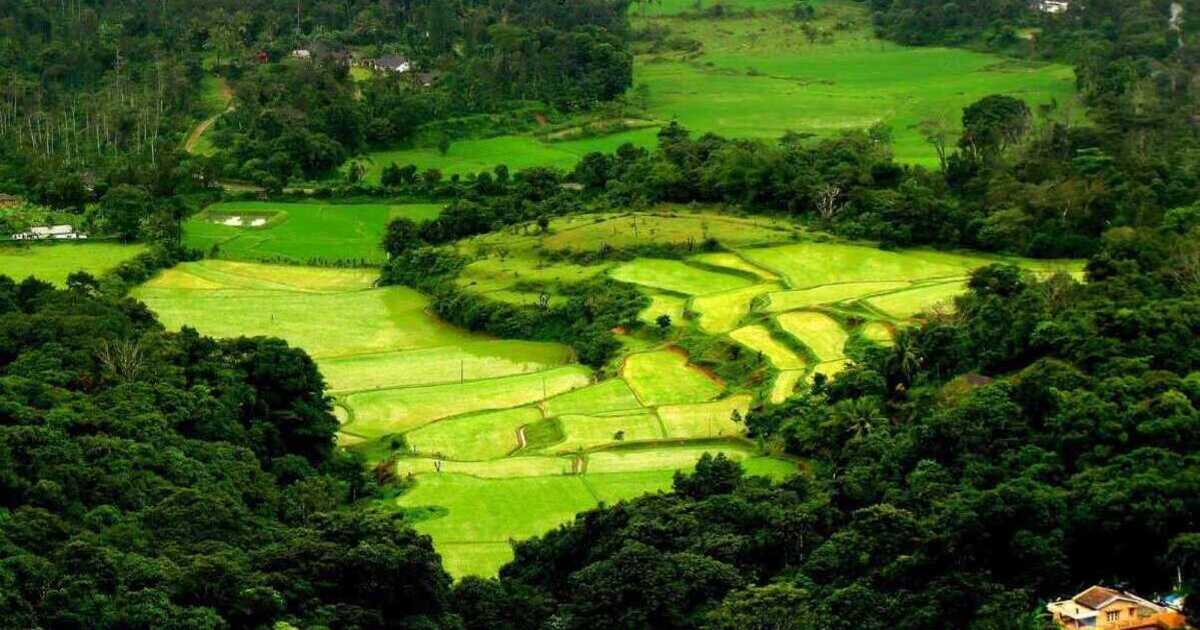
pixel 957 479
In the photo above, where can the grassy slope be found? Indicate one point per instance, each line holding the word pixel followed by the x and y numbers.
pixel 760 77
pixel 53 262
pixel 298 232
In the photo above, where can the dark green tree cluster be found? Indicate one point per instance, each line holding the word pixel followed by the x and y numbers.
pixel 154 480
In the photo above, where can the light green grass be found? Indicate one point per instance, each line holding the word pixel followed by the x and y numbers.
pixel 669 305
pixel 612 395
pixel 585 432
pixel 705 420
pixel 495 273
pixel 465 361
pixel 828 294
pixel 505 468
pixel 785 385
pixel 665 225
pixel 640 459
pixel 299 232
pixel 676 276
pixel 385 411
pixel 487 435
pixel 53 262
pixel 665 377
pixel 758 339
pixel 807 265
pixel 829 368
pixel 877 332
pixel 721 312
pixel 733 261
pixel 760 77
pixel 820 333
pixel 323 321
pixel 906 304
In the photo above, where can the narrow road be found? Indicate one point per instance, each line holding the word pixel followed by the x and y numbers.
pixel 198 131
pixel 521 438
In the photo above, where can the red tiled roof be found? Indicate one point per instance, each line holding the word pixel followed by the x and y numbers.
pixel 1095 596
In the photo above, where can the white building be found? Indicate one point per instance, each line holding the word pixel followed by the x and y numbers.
pixel 43 233
pixel 1052 6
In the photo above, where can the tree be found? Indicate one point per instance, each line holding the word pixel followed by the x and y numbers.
pixel 663 321
pixel 402 235
pixel 122 210
pixel 937 131
pixel 992 124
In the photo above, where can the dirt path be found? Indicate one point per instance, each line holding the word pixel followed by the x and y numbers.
pixel 193 138
pixel 521 438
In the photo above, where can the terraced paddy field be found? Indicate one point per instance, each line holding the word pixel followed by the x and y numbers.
pixel 298 232
pixel 759 76
pixel 499 435
pixel 504 439
pixel 53 262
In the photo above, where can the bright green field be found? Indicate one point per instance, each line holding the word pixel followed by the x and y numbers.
pixel 761 77
pixel 608 396
pixel 53 262
pixel 758 339
pixel 585 432
pixel 487 435
pixel 721 312
pixel 704 420
pixel 664 378
pixel 299 232
pixel 384 411
pixel 790 300
pixel 820 333
pixel 905 304
pixel 676 276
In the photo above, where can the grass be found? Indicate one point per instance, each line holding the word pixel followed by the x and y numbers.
pixel 495 273
pixel 466 360
pixel 759 76
pixel 877 332
pixel 297 305
pixel 820 333
pixel 785 385
pixel 299 232
pixel 906 304
pixel 758 339
pixel 809 265
pixel 669 305
pixel 780 301
pixel 639 459
pixel 735 262
pixel 676 276
pixel 665 225
pixel 396 410
pixel 586 432
pixel 705 420
pixel 488 435
pixel 612 395
pixel 664 378
pixel 721 312
pixel 506 468
pixel 53 262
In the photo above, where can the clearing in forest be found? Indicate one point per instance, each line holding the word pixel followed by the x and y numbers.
pixel 295 232
pixel 53 262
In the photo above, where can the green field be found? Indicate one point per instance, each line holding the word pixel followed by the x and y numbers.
pixel 298 232
pixel 759 76
pixel 664 378
pixel 53 262
pixel 505 439
pixel 821 334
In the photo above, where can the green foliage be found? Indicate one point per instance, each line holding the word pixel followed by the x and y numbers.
pixel 169 478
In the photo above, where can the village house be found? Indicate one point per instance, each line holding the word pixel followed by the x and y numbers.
pixel 1051 6
pixel 389 63
pixel 9 201
pixel 1100 608
pixel 42 233
pixel 302 53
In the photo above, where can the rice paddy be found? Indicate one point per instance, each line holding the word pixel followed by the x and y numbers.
pixel 664 378
pixel 53 262
pixel 298 232
pixel 820 333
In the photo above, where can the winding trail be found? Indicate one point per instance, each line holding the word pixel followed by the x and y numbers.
pixel 193 138
pixel 521 438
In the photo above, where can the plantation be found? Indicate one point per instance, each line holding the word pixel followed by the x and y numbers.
pixel 298 233
pixel 53 262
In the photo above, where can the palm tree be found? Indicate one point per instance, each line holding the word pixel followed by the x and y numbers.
pixel 857 416
pixel 905 359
